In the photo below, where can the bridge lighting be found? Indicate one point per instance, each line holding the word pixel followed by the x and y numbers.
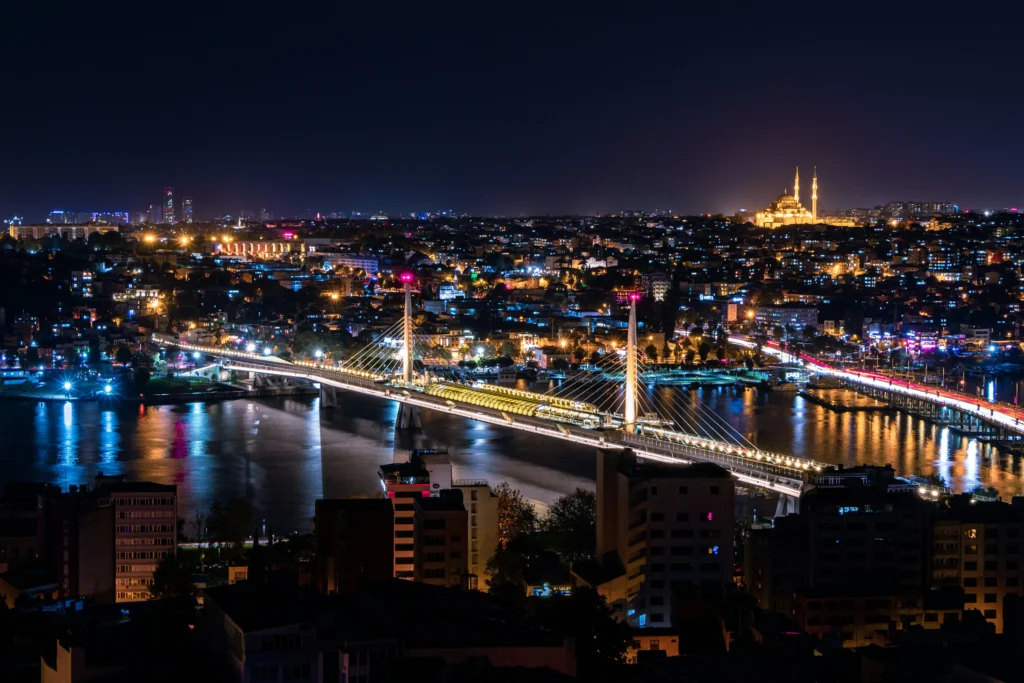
pixel 250 347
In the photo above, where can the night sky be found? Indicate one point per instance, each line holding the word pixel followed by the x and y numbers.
pixel 507 108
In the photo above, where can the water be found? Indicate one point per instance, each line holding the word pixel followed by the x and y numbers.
pixel 283 453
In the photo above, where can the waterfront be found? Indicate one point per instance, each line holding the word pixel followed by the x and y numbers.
pixel 284 453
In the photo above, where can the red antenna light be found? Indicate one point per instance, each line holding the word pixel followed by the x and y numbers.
pixel 635 296
pixel 406 277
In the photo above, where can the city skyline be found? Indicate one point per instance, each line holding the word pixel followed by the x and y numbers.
pixel 507 115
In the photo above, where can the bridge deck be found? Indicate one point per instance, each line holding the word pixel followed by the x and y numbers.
pixel 779 473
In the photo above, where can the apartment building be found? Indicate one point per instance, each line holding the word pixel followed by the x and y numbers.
pixel 667 528
pixel 145 532
pixel 441 557
pixel 482 514
pixel 978 546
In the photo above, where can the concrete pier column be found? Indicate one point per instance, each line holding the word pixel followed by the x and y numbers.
pixel 787 505
pixel 328 396
pixel 408 417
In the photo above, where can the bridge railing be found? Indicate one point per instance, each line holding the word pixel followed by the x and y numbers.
pixel 728 461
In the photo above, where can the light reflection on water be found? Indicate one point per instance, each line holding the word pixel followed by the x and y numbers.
pixel 284 453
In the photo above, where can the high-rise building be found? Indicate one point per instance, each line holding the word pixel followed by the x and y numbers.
pixel 155 215
pixel 186 209
pixel 169 216
pixel 661 529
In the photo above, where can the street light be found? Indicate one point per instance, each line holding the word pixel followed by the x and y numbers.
pixel 67 386
pixel 107 389
pixel 196 355
pixel 318 354
pixel 250 347
pixel 267 351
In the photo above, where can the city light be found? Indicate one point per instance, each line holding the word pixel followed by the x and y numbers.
pixel 267 351
pixel 196 355
pixel 67 386
pixel 149 239
pixel 250 347
pixel 406 277
pixel 107 389
pixel 184 239
pixel 480 350
pixel 318 353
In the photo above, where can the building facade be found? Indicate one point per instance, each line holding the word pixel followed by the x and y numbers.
pixel 440 555
pixel 145 532
pixel 668 527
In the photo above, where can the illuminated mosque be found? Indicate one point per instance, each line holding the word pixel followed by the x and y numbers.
pixel 787 209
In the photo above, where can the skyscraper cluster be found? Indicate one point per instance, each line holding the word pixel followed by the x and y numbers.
pixel 166 212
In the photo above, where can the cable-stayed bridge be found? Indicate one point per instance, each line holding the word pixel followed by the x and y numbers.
pixel 587 408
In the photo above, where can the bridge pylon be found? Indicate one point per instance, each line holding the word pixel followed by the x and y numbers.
pixel 407 332
pixel 629 410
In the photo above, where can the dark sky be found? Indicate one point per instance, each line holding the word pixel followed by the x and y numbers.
pixel 507 107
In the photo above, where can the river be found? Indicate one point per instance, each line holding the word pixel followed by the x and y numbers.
pixel 284 453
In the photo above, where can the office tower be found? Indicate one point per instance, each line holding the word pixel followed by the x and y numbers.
pixel 186 209
pixel 169 216
pixel 155 215
pixel 440 539
pixel 353 542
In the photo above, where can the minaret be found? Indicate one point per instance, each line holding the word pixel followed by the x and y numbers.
pixel 814 196
pixel 796 186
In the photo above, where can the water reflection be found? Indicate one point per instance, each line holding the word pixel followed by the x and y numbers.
pixel 282 454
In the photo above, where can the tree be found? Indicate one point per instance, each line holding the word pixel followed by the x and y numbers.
pixel 507 348
pixel 172 579
pixel 601 641
pixel 201 534
pixel 123 355
pixel 579 354
pixel 690 355
pixel 232 522
pixel 651 351
pixel 516 516
pixel 560 364
pixel 720 353
pixel 572 524
pixel 32 356
pixel 704 349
